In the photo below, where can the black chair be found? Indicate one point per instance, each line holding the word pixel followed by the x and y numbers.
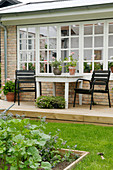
pixel 25 77
pixel 98 78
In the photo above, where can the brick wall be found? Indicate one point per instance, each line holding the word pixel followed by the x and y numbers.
pixel 47 88
pixel 11 53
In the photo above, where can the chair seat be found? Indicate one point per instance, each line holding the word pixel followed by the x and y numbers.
pixel 83 91
pixel 88 91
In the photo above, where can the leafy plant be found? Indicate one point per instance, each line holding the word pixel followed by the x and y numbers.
pixel 56 63
pixel 98 66
pixel 26 146
pixel 71 63
pixel 86 67
pixel 110 64
pixel 50 102
pixel 9 86
pixel 31 66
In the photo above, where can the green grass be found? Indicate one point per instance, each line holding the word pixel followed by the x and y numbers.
pixel 89 138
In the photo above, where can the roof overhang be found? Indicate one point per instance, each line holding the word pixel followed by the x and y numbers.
pixel 59 15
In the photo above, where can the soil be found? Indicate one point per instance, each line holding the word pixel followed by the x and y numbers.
pixel 61 165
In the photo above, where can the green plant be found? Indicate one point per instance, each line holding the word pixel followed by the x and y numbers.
pixel 98 66
pixel 31 66
pixel 110 64
pixel 26 146
pixel 56 63
pixel 71 63
pixel 9 86
pixel 86 67
pixel 91 138
pixel 50 102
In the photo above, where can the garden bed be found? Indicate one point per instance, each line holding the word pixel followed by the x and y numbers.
pixel 67 165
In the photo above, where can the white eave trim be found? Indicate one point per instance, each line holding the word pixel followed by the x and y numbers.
pixel 50 14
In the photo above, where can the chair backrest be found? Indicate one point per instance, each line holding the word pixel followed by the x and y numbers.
pixel 25 75
pixel 101 77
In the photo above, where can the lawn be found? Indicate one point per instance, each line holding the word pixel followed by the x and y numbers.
pixel 91 138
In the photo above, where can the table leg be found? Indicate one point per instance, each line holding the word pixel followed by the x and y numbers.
pixel 38 88
pixel 54 89
pixel 66 94
pixel 80 95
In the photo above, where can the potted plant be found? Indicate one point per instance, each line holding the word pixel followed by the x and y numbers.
pixel 110 66
pixel 9 89
pixel 56 64
pixel 98 66
pixel 71 65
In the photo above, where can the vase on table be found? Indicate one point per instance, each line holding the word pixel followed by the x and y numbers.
pixel 56 71
pixel 71 70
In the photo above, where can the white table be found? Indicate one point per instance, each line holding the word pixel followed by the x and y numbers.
pixel 58 78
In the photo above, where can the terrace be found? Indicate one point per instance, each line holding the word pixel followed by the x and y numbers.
pixel 79 114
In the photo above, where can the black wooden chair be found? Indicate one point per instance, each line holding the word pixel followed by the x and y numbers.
pixel 25 77
pixel 100 78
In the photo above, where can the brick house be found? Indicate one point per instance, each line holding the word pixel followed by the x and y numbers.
pixel 38 31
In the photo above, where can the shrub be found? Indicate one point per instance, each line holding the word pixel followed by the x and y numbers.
pixel 50 102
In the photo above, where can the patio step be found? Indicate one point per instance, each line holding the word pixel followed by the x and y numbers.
pixel 66 115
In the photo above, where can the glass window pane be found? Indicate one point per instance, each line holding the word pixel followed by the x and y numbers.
pixel 76 54
pixel 74 30
pixel 31 32
pixel 23 56
pixel 110 41
pixel 98 66
pixel 52 31
pixel 65 43
pixel 87 42
pixel 87 67
pixel 98 55
pixel 75 42
pixel 87 54
pixel 65 31
pixel 43 32
pixel 43 55
pixel 99 28
pixel 23 44
pixel 23 32
pixel 52 55
pixel 111 27
pixel 31 56
pixel 110 54
pixel 88 29
pixel 31 44
pixel 64 54
pixel 52 43
pixel 43 43
pixel 98 41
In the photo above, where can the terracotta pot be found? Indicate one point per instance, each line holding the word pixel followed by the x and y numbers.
pixel 10 96
pixel 112 69
pixel 56 71
pixel 71 70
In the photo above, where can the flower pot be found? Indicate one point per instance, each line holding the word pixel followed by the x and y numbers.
pixel 56 71
pixel 10 96
pixel 112 69
pixel 71 70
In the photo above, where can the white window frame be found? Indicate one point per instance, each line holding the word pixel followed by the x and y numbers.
pixel 81 44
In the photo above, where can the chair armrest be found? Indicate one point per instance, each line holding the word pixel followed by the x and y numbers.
pixel 82 80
